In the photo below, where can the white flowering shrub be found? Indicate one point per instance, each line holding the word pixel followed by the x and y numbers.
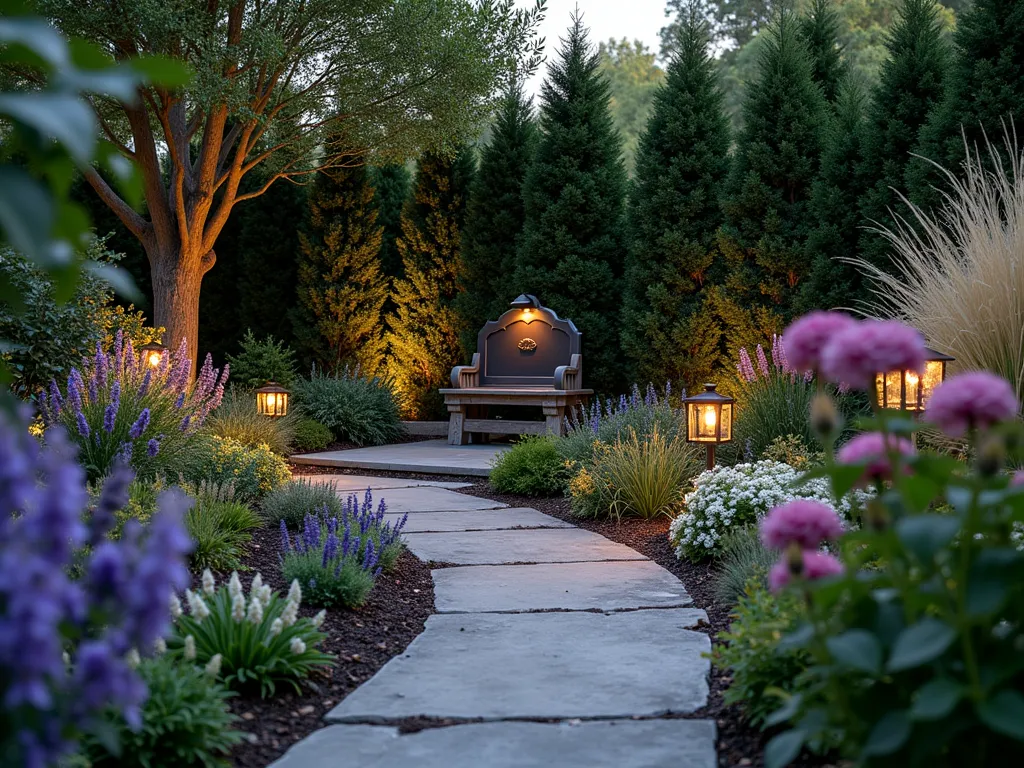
pixel 725 498
pixel 247 642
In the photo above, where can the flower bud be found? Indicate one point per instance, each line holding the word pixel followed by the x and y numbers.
pixel 132 658
pixel 824 416
pixel 209 585
pixel 297 646
pixel 190 648
pixel 213 665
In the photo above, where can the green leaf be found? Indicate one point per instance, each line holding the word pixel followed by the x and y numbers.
pixel 785 712
pixel 844 477
pixel 798 638
pixel 783 749
pixel 959 497
pixel 36 35
pixel 989 580
pixel 163 70
pixel 925 535
pixel 1004 713
pixel 858 649
pixel 918 492
pixel 920 643
pixel 26 214
pixel 936 699
pixel 60 116
pixel 119 279
pixel 889 734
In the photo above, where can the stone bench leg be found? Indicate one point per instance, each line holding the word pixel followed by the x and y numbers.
pixel 457 434
pixel 554 419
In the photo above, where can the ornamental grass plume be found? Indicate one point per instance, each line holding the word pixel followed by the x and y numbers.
pixel 856 353
pixel 974 400
pixel 804 522
pixel 65 644
pixel 872 449
pixel 805 338
pixel 811 565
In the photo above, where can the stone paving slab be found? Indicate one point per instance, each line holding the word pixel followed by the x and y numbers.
pixel 604 744
pixel 356 483
pixel 416 500
pixel 478 520
pixel 558 586
pixel 549 545
pixel 433 457
pixel 541 665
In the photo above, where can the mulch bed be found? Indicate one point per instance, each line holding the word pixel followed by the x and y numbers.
pixel 738 743
pixel 362 639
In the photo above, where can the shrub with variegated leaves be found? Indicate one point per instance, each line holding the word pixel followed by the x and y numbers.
pixel 254 641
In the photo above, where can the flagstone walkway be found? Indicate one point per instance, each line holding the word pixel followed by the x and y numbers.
pixel 569 649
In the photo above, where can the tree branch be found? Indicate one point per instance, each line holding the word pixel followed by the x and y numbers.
pixel 137 225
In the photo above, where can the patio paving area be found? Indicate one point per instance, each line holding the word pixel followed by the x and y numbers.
pixel 434 457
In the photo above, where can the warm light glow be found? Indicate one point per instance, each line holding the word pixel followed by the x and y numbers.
pixel 911 379
pixel 271 401
pixel 709 418
pixel 153 359
pixel 527 313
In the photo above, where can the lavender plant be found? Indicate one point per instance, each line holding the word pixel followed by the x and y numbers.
pixel 254 642
pixel 66 645
pixel 119 408
pixel 337 559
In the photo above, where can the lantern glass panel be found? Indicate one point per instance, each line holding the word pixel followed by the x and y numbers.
pixel 704 420
pixel 934 373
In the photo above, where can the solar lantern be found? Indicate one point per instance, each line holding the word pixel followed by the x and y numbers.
pixel 709 419
pixel 911 390
pixel 272 400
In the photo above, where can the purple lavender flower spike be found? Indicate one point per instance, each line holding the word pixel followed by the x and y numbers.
pixel 74 392
pixel 140 425
pixel 370 557
pixel 330 550
pixel 401 524
pixel 83 425
pixel 180 401
pixel 56 401
pixel 368 499
pixel 218 393
pixel 207 377
pixel 286 543
pixel 634 396
pixel 44 412
pixel 354 546
pixel 118 352
pixel 109 414
pixel 112 498
pixel 100 364
pixel 623 404
pixel 147 377
pixel 124 453
pixel 131 361
pixel 382 508
pixel 93 388
pixel 186 422
pixel 152 447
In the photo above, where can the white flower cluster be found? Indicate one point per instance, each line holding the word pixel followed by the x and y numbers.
pixel 730 497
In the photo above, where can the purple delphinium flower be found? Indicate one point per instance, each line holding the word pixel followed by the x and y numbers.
pixel 83 425
pixel 207 378
pixel 762 362
pixel 623 404
pixel 140 425
pixel 330 550
pixel 370 556
pixel 152 447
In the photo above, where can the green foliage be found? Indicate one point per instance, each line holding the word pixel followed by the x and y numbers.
pixel 792 450
pixel 220 530
pixel 260 639
pixel 356 408
pixel 820 29
pixel 311 435
pixel 261 361
pixel 764 672
pixel 777 158
pixel 254 471
pixel 633 81
pixel 342 288
pixel 346 586
pixel 391 184
pixel 185 722
pixel 674 212
pixel 236 417
pixel 494 218
pixel 914 647
pixel 571 255
pixel 983 92
pixel 532 467
pixel 744 561
pixel 293 501
pixel 423 333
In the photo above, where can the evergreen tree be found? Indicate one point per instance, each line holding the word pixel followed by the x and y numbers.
pixel 820 29
pixel 391 183
pixel 494 218
pixel 674 212
pixel 341 288
pixel 423 333
pixel 833 206
pixel 571 255
pixel 984 90
pixel 776 161
pixel 911 85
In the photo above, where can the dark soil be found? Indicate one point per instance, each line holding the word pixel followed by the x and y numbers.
pixel 362 639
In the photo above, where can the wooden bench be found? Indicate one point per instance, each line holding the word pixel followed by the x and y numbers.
pixel 530 357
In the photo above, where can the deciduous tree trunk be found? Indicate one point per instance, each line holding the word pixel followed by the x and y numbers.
pixel 177 278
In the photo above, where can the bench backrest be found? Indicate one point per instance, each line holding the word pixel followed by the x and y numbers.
pixel 524 346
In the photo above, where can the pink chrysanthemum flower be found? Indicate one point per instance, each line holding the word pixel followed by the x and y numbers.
pixel 977 399
pixel 806 522
pixel 856 353
pixel 871 449
pixel 805 338
pixel 817 565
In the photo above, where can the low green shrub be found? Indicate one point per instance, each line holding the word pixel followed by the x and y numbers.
pixel 254 471
pixel 293 501
pixel 311 435
pixel 792 450
pixel 236 418
pixel 532 467
pixel 744 560
pixel 219 530
pixel 261 641
pixel 764 673
pixel 261 361
pixel 357 409
pixel 185 723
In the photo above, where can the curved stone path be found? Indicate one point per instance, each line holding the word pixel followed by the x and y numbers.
pixel 567 649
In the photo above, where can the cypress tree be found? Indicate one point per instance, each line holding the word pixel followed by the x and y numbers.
pixel 391 183
pixel 674 211
pixel 341 288
pixel 423 332
pixel 571 255
pixel 833 206
pixel 776 161
pixel 494 217
pixel 820 30
pixel 910 86
pixel 984 91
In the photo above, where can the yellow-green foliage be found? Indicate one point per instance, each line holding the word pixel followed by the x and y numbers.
pixel 254 470
pixel 533 467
